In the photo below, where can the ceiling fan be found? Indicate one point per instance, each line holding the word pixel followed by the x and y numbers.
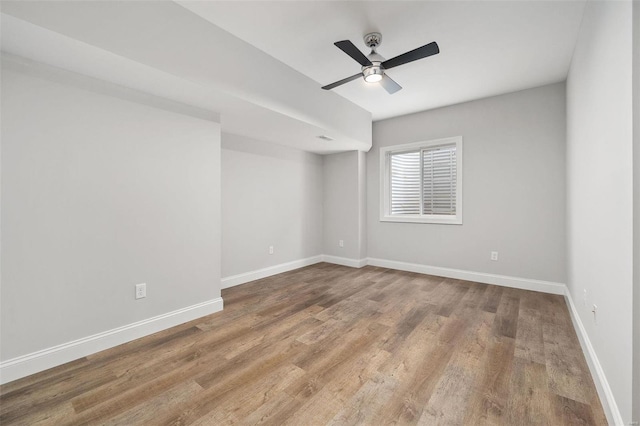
pixel 374 65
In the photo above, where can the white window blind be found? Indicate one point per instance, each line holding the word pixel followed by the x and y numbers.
pixel 439 180
pixel 405 183
pixel 436 168
pixel 421 182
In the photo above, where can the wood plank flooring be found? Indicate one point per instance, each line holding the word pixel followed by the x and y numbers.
pixel 333 345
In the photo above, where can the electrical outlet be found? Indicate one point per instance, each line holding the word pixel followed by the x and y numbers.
pixel 341 243
pixel 141 290
pixel 494 256
pixel 270 249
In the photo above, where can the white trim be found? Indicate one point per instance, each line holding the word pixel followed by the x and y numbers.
pixel 481 277
pixel 344 261
pixel 234 280
pixel 246 277
pixel 25 365
pixel 442 219
pixel 602 385
pixel 385 190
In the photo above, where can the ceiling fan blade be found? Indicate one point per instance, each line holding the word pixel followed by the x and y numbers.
pixel 341 82
pixel 350 49
pixel 389 84
pixel 413 55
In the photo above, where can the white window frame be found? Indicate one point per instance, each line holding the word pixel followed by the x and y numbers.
pixel 385 183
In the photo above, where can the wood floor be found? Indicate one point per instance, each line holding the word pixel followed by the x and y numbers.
pixel 329 344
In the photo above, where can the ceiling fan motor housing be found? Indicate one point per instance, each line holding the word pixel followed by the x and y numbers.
pixel 373 40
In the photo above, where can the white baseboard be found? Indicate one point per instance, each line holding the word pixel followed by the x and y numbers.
pixel 481 277
pixel 344 261
pixel 25 365
pixel 234 280
pixel 38 361
pixel 246 277
pixel 602 385
pixel 502 280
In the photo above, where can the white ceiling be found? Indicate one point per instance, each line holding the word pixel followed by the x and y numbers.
pixel 164 50
pixel 486 48
pixel 260 65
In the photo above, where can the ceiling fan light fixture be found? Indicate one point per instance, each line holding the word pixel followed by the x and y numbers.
pixel 372 74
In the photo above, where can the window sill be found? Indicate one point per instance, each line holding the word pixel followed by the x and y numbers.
pixel 442 220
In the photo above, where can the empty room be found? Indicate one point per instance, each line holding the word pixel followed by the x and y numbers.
pixel 320 212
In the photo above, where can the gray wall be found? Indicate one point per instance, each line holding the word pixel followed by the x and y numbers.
pixel 271 196
pixel 362 207
pixel 342 200
pixel 99 194
pixel 513 187
pixel 636 210
pixel 599 188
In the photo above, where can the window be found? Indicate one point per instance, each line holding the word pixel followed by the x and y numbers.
pixel 422 182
